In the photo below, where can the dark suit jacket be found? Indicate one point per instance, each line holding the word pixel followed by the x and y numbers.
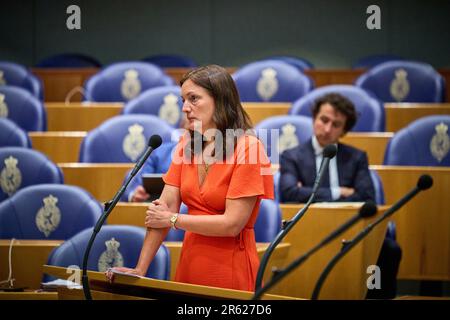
pixel 299 164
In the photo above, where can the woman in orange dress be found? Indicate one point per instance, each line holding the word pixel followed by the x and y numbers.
pixel 221 172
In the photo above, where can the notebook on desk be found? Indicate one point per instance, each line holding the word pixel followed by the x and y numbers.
pixel 153 184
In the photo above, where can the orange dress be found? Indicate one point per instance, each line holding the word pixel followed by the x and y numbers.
pixel 227 262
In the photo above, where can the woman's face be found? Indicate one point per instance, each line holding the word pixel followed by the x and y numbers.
pixel 199 107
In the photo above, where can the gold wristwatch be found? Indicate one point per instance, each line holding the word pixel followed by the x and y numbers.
pixel 173 221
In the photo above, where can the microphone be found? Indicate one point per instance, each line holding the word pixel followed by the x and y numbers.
pixel 153 143
pixel 425 182
pixel 367 210
pixel 328 153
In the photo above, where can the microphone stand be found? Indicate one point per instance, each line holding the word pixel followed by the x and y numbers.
pixel 348 245
pixel 109 206
pixel 330 150
pixel 368 210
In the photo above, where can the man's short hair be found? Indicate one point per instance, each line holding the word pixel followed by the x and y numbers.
pixel 340 104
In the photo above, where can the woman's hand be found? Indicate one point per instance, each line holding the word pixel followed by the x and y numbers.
pixel 110 274
pixel 158 215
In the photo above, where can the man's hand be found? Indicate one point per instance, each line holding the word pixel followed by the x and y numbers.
pixel 140 195
pixel 346 192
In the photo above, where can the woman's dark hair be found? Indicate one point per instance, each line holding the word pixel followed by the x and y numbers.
pixel 340 104
pixel 229 113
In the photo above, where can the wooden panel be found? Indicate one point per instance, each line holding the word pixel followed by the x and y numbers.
pixel 79 117
pixel 374 143
pixel 58 146
pixel 259 111
pixel 58 82
pixel 399 115
pixel 29 295
pixel 327 77
pixel 423 224
pixel 102 180
pixel 348 278
pixel 28 258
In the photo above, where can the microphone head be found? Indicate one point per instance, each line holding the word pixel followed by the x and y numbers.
pixel 368 209
pixel 154 141
pixel 425 182
pixel 330 151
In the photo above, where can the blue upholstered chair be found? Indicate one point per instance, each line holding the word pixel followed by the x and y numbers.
pixel 163 102
pixel 374 60
pixel 122 138
pixel 13 74
pixel 268 223
pixel 371 116
pixel 404 81
pixel 69 60
pixel 12 135
pixel 300 63
pixel 114 246
pixel 271 81
pixel 48 212
pixel 22 167
pixel 21 107
pixel 123 81
pixel 378 185
pixel 424 142
pixel 171 61
pixel 291 130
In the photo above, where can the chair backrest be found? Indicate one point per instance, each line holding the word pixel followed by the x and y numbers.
pixel 268 223
pixel 171 61
pixel 300 63
pixel 371 115
pixel 122 138
pixel 404 81
pixel 378 185
pixel 14 74
pixel 114 246
pixel 21 107
pixel 280 133
pixel 424 142
pixel 48 212
pixel 22 167
pixel 271 81
pixel 69 60
pixel 12 135
pixel 374 60
pixel 123 81
pixel 164 102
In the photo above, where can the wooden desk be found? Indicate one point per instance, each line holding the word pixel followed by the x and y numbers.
pixel 134 214
pixel 78 116
pixel 399 115
pixel 28 257
pixel 58 146
pixel 374 143
pixel 29 295
pixel 102 180
pixel 259 111
pixel 348 278
pixel 423 224
pixel 153 289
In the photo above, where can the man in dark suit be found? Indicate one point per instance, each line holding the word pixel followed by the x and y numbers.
pixel 347 177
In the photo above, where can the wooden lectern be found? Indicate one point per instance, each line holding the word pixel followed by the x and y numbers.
pixel 127 287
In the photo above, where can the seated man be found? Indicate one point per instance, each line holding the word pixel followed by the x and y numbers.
pixel 346 179
pixel 158 162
